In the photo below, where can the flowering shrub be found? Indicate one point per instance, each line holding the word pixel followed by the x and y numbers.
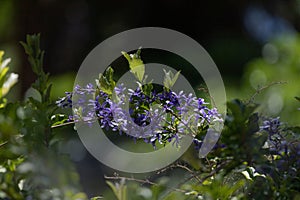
pixel 256 157
pixel 112 115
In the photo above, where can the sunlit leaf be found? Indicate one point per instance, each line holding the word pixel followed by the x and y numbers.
pixel 170 79
pixel 106 82
pixel 136 64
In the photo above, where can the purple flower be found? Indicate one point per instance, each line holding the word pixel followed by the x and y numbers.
pixel 90 88
pixel 272 126
pixel 66 101
pixel 178 113
pixel 120 89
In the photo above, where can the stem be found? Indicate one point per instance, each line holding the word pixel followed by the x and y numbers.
pixel 64 124
pixel 6 142
pixel 146 181
pixel 194 175
pixel 212 173
pixel 3 144
pixel 260 89
pixel 72 122
pixel 177 117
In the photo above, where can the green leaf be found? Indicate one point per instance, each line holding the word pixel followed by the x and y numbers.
pixel 170 79
pixel 106 82
pixel 147 89
pixel 297 98
pixel 3 73
pixel 36 58
pixel 136 64
pixel 58 119
pixel 295 129
pixel 176 195
pixel 7 81
pixel 241 111
pixel 1 55
pixel 119 189
pixel 253 125
pixel 96 198
pixel 35 55
pixel 191 157
pixel 159 189
pixel 48 93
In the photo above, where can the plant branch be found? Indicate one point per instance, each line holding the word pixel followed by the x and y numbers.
pixel 260 89
pixel 146 181
pixel 64 124
pixel 194 175
pixel 3 144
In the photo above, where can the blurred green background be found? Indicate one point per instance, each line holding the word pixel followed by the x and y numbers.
pixel 253 43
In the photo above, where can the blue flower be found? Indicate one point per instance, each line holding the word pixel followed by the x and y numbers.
pixel 272 126
pixel 66 101
pixel 180 113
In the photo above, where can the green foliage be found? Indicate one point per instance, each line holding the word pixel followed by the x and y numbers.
pixel 279 63
pixel 170 79
pixel 7 81
pixel 217 189
pixel 58 119
pixel 119 189
pixel 31 166
pixel 240 133
pixel 248 162
pixel 36 59
pixel 136 64
pixel 244 169
pixel 106 82
pixel 61 83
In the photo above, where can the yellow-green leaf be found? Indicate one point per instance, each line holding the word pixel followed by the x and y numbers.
pixel 170 79
pixel 136 64
pixel 106 82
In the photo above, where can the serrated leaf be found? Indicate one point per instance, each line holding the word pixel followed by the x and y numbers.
pixel 136 64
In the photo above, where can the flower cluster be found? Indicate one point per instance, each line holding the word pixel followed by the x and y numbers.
pixel 157 117
pixel 275 142
pixel 272 126
pixel 283 151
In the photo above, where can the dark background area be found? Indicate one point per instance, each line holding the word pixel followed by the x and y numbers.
pixel 232 32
